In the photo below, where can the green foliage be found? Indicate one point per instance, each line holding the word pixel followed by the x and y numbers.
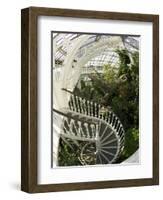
pixel 117 87
pixel 68 156
pixel 131 144
pixel 70 152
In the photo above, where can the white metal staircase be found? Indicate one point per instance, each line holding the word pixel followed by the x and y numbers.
pixel 85 120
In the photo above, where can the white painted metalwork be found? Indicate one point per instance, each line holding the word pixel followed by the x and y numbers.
pixel 77 118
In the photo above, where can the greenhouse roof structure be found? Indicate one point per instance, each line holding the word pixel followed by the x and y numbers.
pixel 103 47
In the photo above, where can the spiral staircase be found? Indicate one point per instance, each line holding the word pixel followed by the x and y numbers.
pixel 88 121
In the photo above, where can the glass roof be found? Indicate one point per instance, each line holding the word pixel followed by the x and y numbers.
pixel 106 57
pixel 62 42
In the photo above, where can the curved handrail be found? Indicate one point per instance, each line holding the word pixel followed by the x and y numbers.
pixel 86 120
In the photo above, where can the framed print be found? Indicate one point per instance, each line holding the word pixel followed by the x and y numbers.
pixel 90 99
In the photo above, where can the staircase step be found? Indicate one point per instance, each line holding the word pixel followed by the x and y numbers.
pixel 81 117
pixel 103 158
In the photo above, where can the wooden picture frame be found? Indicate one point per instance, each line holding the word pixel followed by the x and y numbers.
pixel 29 86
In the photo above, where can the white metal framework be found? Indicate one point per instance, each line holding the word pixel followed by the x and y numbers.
pixel 76 118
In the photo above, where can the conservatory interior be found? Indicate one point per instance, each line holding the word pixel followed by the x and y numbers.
pixel 95 99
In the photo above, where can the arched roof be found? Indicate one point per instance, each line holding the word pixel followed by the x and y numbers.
pixel 65 41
